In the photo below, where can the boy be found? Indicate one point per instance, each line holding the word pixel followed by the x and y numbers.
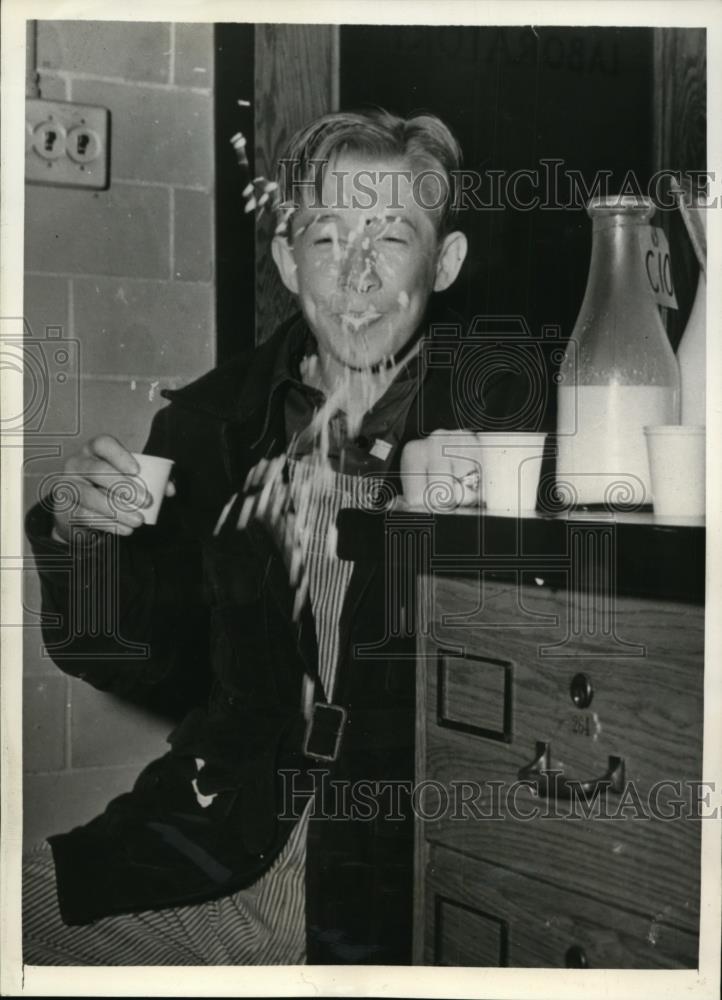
pixel 252 626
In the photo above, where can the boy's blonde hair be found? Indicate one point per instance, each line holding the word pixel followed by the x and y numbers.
pixel 422 141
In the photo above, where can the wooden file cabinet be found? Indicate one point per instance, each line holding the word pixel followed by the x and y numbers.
pixel 523 672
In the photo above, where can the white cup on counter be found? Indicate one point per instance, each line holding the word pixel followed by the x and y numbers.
pixel 677 469
pixel 510 470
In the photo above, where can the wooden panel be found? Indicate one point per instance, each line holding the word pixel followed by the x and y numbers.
pixel 680 98
pixel 680 127
pixel 296 79
pixel 534 923
pixel 646 709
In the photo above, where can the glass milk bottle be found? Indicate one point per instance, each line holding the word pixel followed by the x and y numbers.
pixel 619 372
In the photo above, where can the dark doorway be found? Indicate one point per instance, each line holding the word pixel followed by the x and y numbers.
pixel 235 252
pixel 518 99
pixel 551 102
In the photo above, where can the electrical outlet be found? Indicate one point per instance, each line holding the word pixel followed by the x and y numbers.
pixel 67 144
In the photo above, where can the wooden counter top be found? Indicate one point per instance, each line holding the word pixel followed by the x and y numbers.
pixel 647 555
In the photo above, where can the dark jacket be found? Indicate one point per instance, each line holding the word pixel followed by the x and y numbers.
pixel 200 627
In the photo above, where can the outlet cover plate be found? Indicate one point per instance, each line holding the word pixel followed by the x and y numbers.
pixel 67 144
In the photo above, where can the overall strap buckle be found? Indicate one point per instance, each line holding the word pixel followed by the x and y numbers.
pixel 324 731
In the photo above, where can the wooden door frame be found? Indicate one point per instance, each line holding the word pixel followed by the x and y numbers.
pixel 296 80
pixel 269 80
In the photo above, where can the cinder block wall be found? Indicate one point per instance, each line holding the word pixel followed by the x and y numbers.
pixel 128 274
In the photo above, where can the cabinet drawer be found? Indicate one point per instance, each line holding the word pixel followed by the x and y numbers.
pixel 479 914
pixel 506 655
pixel 499 680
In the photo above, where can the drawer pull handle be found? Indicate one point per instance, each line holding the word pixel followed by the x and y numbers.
pixel 576 958
pixel 551 783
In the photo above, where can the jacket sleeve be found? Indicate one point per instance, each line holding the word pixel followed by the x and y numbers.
pixel 127 615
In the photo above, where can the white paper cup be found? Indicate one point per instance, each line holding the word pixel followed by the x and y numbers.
pixel 154 472
pixel 677 469
pixel 510 470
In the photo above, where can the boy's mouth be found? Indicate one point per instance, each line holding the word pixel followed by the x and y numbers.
pixel 357 320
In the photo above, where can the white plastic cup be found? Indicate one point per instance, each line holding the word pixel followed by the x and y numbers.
pixel 510 470
pixel 154 472
pixel 677 469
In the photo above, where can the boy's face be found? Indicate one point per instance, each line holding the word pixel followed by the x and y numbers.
pixel 365 261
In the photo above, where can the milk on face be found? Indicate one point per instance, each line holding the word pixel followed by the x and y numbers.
pixel 602 451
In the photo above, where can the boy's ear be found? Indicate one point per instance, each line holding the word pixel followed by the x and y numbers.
pixel 283 256
pixel 451 257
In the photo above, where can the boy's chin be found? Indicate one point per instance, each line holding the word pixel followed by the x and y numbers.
pixel 369 347
pixel 360 362
pixel 371 361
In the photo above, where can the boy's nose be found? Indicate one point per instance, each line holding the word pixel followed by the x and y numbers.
pixel 358 272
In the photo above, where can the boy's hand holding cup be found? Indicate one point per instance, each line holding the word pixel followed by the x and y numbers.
pixel 114 490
